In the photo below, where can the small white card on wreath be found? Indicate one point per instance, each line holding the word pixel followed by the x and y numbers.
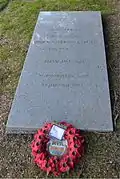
pixel 57 132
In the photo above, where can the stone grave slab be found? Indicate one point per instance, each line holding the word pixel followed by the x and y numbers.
pixel 64 77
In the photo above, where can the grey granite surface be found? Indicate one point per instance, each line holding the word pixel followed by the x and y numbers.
pixel 64 77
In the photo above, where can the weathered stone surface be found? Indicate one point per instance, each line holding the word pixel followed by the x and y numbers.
pixel 64 76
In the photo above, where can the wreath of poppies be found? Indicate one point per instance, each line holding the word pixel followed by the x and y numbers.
pixel 56 164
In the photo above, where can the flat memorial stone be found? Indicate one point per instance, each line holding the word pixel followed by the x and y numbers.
pixel 64 77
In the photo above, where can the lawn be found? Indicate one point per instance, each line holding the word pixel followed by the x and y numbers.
pixel 17 21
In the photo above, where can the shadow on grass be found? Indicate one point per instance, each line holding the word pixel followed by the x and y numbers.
pixel 4 4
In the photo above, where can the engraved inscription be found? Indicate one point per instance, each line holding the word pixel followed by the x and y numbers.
pixel 59 85
pixel 57 61
pixel 62 76
pixel 66 61
pixel 63 36
pixel 92 42
pixel 61 40
pixel 65 29
pixel 53 49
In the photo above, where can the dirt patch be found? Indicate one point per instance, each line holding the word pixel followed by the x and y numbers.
pixel 112 39
pixel 5 103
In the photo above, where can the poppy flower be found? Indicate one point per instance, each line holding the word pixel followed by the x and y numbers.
pixel 48 126
pixel 40 156
pixel 51 163
pixel 78 137
pixel 35 148
pixel 43 164
pixel 40 133
pixel 70 163
pixel 48 169
pixel 64 167
pixel 75 154
pixel 35 136
pixel 71 131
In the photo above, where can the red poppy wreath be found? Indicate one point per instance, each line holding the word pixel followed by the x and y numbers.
pixel 56 148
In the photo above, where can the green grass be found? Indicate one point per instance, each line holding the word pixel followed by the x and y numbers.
pixel 3 4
